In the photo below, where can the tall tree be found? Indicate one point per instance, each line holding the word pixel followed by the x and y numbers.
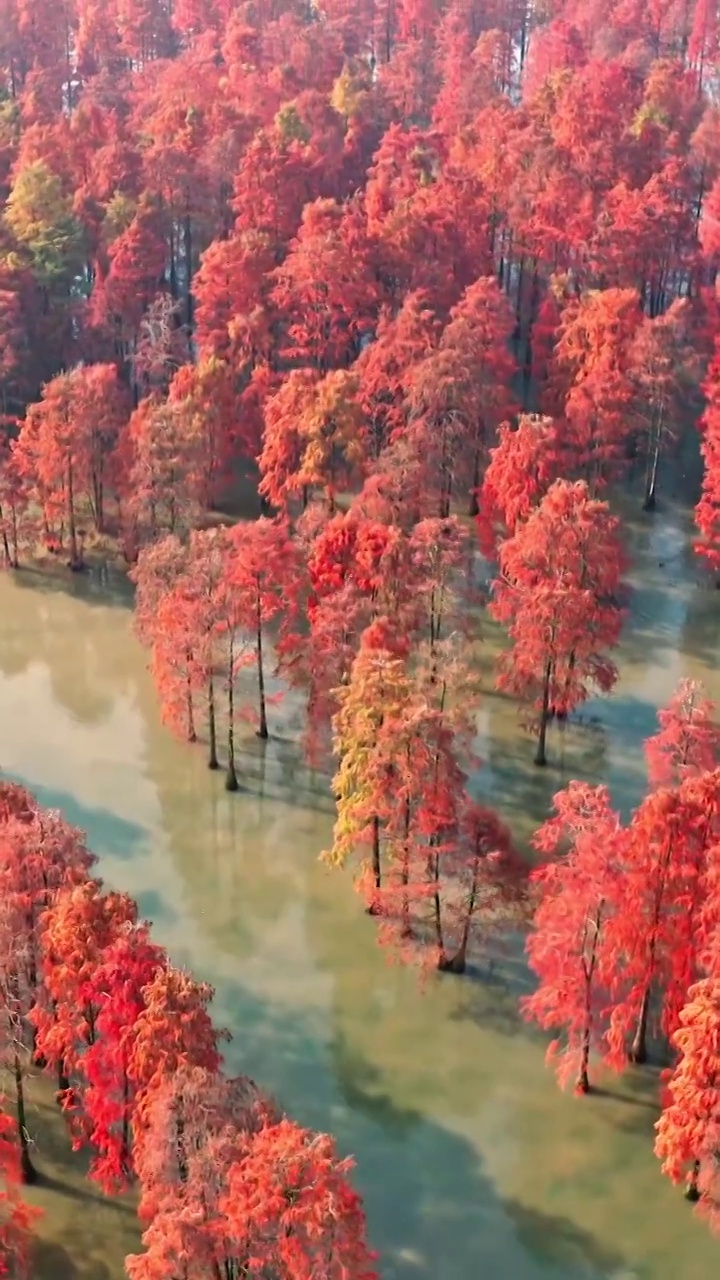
pixel 663 366
pixel 568 949
pixel 67 444
pixel 522 466
pixel 460 393
pixel 592 360
pixel 559 593
pixel 670 911
pixel 263 574
pixel 687 1131
pixel 77 929
pixel 688 739
pixel 40 854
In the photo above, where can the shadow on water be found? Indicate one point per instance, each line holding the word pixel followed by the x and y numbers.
pixel 701 634
pixel 119 837
pixel 52 1260
pixel 556 1240
pixel 99 585
pixel 362 1089
pixel 490 996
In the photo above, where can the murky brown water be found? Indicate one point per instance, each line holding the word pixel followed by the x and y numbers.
pixel 470 1161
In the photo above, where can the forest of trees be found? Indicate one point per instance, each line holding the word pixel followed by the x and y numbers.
pixel 433 280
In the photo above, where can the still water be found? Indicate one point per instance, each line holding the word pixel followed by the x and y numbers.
pixel 470 1161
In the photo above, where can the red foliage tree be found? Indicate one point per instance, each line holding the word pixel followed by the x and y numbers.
pixel 568 947
pixel 229 1184
pixel 663 366
pixel 67 444
pixel 79 927
pixel 688 1131
pixel 522 466
pixel 559 595
pixel 290 1206
pixel 670 911
pixel 104 1099
pixel 325 289
pixel 592 359
pixel 461 392
pixel 40 854
pixel 707 512
pixel 385 365
pixel 263 574
pixel 18 523
pixel 688 740
pixel 486 885
pixel 16 1218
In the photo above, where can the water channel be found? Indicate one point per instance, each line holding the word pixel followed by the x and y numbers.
pixel 471 1162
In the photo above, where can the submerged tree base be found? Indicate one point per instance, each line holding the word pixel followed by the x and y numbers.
pixel 452 964
pixel 28 1173
pixel 231 782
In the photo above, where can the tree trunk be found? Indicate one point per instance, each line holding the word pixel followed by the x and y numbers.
pixel 28 1172
pixel 231 782
pixel 692 1192
pixel 651 484
pixel 263 729
pixel 541 753
pixel 212 730
pixel 474 507
pixel 188 255
pixel 376 865
pixel 638 1048
pixel 74 555
pixel 458 962
pixel 192 735
pixel 62 1080
pixel 405 875
pixel 437 912
pixel 6 544
pixel 583 1081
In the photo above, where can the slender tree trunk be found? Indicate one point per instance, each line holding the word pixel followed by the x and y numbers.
pixel 74 556
pixel 6 544
pixel 692 1192
pixel 263 729
pixel 28 1172
pixel 63 1082
pixel 212 729
pixel 406 926
pixel 125 1126
pixel 231 782
pixel 583 1080
pixel 651 483
pixel 638 1048
pixel 541 753
pixel 188 254
pixel 376 864
pixel 474 507
pixel 458 962
pixel 437 912
pixel 192 735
